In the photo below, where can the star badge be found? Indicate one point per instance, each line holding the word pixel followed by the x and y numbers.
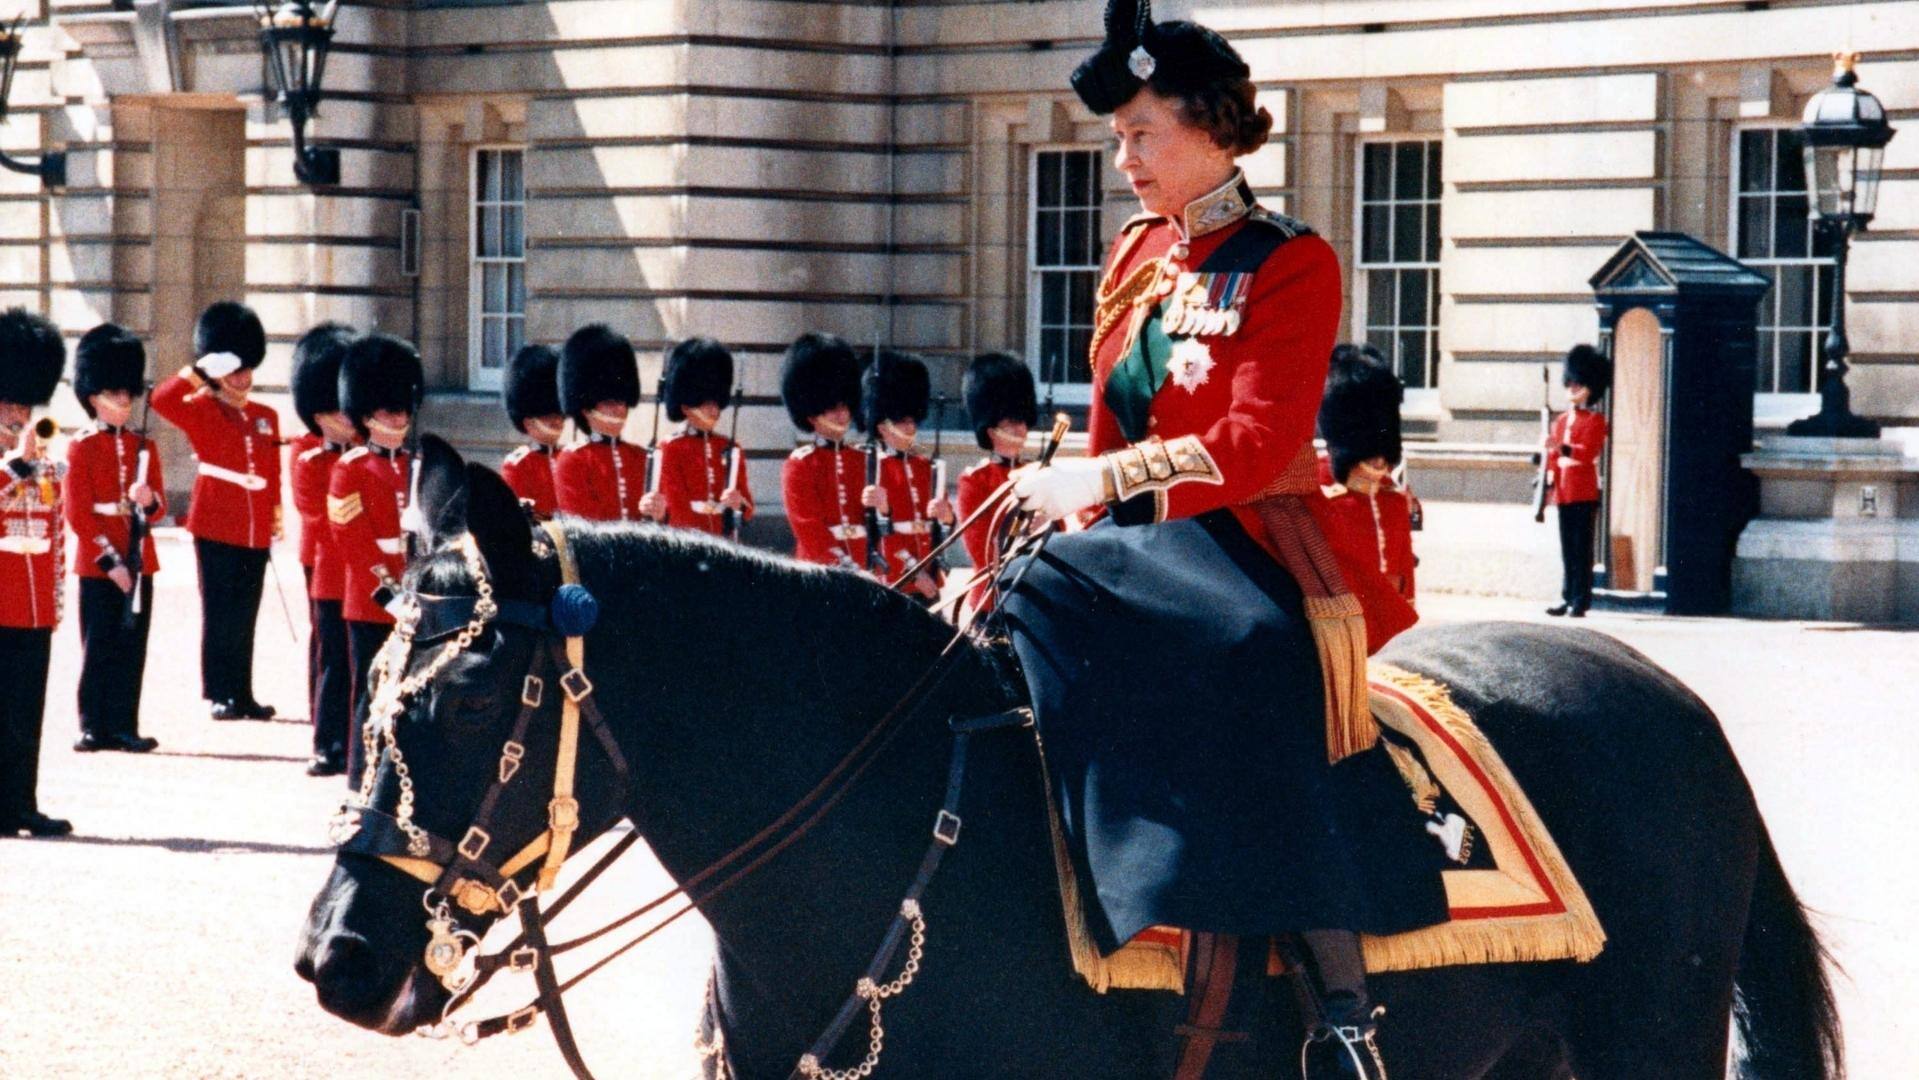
pixel 1190 364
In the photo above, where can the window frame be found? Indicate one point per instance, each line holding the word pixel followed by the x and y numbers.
pixel 479 376
pixel 1064 392
pixel 1420 400
pixel 1771 407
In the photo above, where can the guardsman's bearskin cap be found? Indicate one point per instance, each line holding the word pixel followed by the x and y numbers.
pixel 1359 416
pixel 380 371
pixel 598 364
pixel 894 387
pixel 820 372
pixel 998 386
pixel 532 386
pixel 108 357
pixel 32 356
pixel 1589 368
pixel 231 327
pixel 698 370
pixel 1176 58
pixel 316 371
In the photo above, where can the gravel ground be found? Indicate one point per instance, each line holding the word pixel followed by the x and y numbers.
pixel 158 942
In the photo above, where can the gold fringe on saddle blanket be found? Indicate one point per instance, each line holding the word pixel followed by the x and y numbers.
pixel 1529 908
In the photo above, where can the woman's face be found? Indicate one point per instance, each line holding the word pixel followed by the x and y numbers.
pixel 1168 162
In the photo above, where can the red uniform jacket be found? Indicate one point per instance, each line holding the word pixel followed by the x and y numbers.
pixel 602 479
pixel 693 477
pixel 236 496
pixel 1575 477
pixel 102 466
pixel 30 548
pixel 908 481
pixel 365 498
pixel 313 461
pixel 1378 515
pixel 821 484
pixel 528 470
pixel 975 486
pixel 1251 397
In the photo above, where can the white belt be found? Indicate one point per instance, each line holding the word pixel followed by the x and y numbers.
pixel 708 507
pixel 112 509
pixel 245 480
pixel 394 546
pixel 910 528
pixel 848 532
pixel 25 545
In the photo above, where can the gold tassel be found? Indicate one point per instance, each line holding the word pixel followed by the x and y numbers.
pixel 1420 782
pixel 1339 633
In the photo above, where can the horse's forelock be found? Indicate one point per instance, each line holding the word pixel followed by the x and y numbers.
pixel 442 573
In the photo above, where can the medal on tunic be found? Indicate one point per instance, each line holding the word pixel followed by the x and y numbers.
pixel 1207 305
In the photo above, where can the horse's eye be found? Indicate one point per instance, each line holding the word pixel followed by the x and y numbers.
pixel 473 709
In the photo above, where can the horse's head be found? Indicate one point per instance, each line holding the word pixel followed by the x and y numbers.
pixel 462 808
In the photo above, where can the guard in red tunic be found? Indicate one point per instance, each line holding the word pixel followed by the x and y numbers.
pixel 1359 419
pixel 894 394
pixel 1573 444
pixel 381 385
pixel 702 473
pixel 31 358
pixel 113 473
pixel 328 436
pixel 824 481
pixel 532 399
pixel 603 478
pixel 234 512
pixel 1002 406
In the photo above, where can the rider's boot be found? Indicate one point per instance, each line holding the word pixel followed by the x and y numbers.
pixel 1340 1046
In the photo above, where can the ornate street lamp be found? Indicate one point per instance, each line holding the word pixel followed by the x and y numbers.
pixel 296 40
pixel 1845 133
pixel 52 166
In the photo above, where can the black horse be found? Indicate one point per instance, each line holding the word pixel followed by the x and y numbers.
pixel 734 681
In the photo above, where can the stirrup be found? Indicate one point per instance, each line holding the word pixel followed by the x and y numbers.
pixel 1356 1041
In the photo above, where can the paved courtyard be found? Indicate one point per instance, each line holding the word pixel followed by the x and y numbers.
pixel 158 941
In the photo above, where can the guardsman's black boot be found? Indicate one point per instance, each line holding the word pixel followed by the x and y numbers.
pixel 1340 1044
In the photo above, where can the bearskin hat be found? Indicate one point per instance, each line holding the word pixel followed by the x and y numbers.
pixel 895 386
pixel 698 370
pixel 231 327
pixel 380 371
pixel 1176 58
pixel 1589 368
pixel 32 356
pixel 316 371
pixel 820 372
pixel 1359 416
pixel 998 386
pixel 532 384
pixel 108 357
pixel 598 364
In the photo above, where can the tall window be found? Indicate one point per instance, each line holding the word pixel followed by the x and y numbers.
pixel 1399 254
pixel 1063 268
pixel 1772 234
pixel 497 304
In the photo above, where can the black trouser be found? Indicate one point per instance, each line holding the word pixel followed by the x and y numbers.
pixel 23 698
pixel 1576 553
pixel 113 657
pixel 363 642
pixel 230 582
pixel 330 671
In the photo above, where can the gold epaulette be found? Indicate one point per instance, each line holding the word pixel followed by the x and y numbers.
pixel 312 452
pixel 341 510
pixel 519 454
pixel 800 452
pixel 354 454
pixel 1291 226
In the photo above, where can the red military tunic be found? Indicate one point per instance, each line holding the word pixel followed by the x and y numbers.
pixel 313 461
pixel 102 467
pixel 693 476
pixel 976 485
pixel 1244 378
pixel 1365 512
pixel 30 548
pixel 528 470
pixel 365 498
pixel 602 479
pixel 821 483
pixel 908 481
pixel 1575 478
pixel 236 496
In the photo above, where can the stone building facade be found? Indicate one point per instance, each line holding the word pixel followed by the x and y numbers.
pixel 918 173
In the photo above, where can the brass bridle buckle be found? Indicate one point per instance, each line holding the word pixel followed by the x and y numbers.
pixel 521 1019
pixel 474 843
pixel 523 959
pixel 563 814
pixel 576 684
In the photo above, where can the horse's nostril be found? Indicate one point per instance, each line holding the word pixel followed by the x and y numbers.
pixel 303 964
pixel 344 969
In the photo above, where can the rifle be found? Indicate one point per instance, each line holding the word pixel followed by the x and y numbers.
pixel 653 441
pixel 1545 455
pixel 875 558
pixel 729 517
pixel 936 530
pixel 137 519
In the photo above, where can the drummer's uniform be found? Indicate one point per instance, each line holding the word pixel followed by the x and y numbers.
pixel 1573 444
pixel 908 481
pixel 102 469
pixel 821 483
pixel 30 557
pixel 1376 513
pixel 366 497
pixel 693 476
pixel 329 659
pixel 528 470
pixel 234 515
pixel 602 479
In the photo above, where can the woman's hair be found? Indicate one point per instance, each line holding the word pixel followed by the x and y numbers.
pixel 1227 112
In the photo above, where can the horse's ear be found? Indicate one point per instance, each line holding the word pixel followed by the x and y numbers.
pixel 443 491
pixel 499 526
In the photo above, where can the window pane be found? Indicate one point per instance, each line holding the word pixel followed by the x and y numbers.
pixel 1049 179
pixel 1789 238
pixel 1079 186
pixel 1379 298
pixel 490 241
pixel 1795 361
pixel 1412 357
pixel 1048 226
pixel 1408 243
pixel 1081 286
pixel 1409 169
pixel 1755 227
pixel 513 229
pixel 1762 371
pixel 516 288
pixel 492 343
pixel 1412 298
pixel 1432 169
pixel 515 335
pixel 1755 160
pixel 1381 340
pixel 1378 168
pixel 1052 299
pixel 1078 238
pixel 1376 247
pixel 1079 355
pixel 1822 292
pixel 1052 356
pixel 1432 232
pixel 487 183
pixel 1795 296
pixel 513 184
pixel 493 288
pixel 1789 172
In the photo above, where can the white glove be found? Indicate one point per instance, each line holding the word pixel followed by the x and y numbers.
pixel 219 365
pixel 1066 487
